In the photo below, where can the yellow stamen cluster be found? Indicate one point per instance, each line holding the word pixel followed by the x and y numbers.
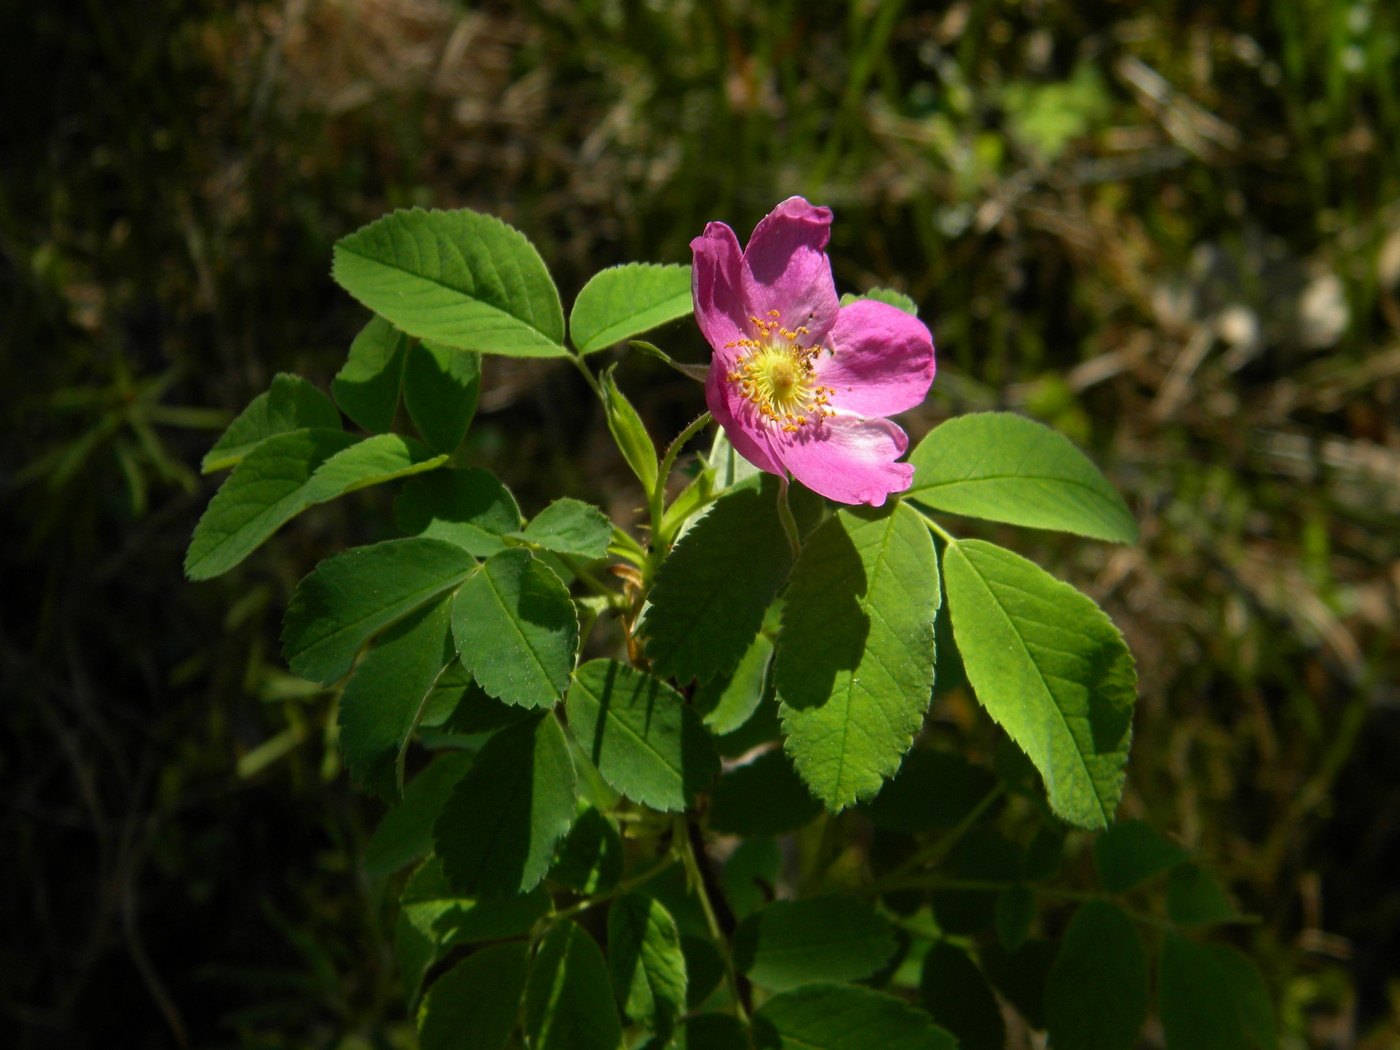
pixel 776 372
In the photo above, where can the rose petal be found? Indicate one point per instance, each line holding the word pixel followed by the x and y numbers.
pixel 788 270
pixel 717 286
pixel 850 460
pixel 736 415
pixel 883 361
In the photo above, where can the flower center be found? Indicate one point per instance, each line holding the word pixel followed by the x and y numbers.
pixel 776 373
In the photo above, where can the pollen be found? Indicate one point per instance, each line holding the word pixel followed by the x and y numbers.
pixel 777 374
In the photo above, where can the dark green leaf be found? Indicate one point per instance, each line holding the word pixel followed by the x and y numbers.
pixel 790 943
pixel 640 733
pixel 458 278
pixel 457 705
pixel 1008 468
pixel 570 526
pixel 454 919
pixel 1252 1003
pixel 750 874
pixel 384 697
pixel 497 831
pixel 405 832
pixel 467 507
pixel 932 790
pixel 648 968
pixel 1015 913
pixel 727 702
pixel 979 856
pixel 569 999
pixel 713 1031
pixel 956 995
pixel 1195 897
pixel 516 630
pixel 290 404
pixel 474 1005
pixel 440 389
pixel 350 597
pixel 1130 852
pixel 590 857
pixel 762 797
pixel 1211 998
pixel 1020 975
pixel 711 591
pixel 704 969
pixel 367 386
pixel 843 1017
pixel 854 666
pixel 1051 668
pixel 1096 995
pixel 624 301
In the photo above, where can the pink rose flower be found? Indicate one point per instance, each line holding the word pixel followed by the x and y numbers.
pixel 800 383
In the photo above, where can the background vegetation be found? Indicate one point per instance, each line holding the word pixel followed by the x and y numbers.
pixel 1171 230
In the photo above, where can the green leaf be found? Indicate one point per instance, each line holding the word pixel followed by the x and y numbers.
pixel 454 919
pixel 884 295
pixel 354 595
pixel 440 390
pixel 467 507
pixel 844 1017
pixel 1096 994
pixel 464 708
pixel 834 938
pixel 957 996
pixel 290 404
pixel 457 278
pixel 516 629
pixel 1130 852
pixel 590 858
pixel 384 697
pixel 979 856
pixel 640 733
pixel 713 1031
pixel 283 476
pixel 1195 897
pixel 628 300
pixel 405 832
pixel 497 831
pixel 1211 998
pixel 1015 912
pixel 1020 975
pixel 570 526
pixel 1051 668
pixel 762 797
pixel 711 591
pixel 1004 467
pixel 932 790
pixel 854 666
pixel 750 875
pixel 648 969
pixel 474 1005
pixel 629 431
pixel 367 386
pixel 1252 1003
pixel 727 702
pixel 569 1000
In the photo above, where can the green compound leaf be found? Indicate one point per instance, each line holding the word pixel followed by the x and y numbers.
pixel 845 1017
pixel 790 943
pixel 457 278
pixel 727 702
pixel 350 597
pixel 467 507
pixel 516 629
pixel 385 696
pixel 648 969
pixel 497 830
pixel 570 526
pixel 367 386
pixel 1004 467
pixel 569 999
pixel 1195 897
pixel 405 832
pixel 713 1031
pixel 440 390
pixel 283 476
pixel 590 859
pixel 474 1005
pixel 641 734
pixel 1096 994
pixel 763 797
pixel 291 403
pixel 453 919
pixel 932 790
pixel 711 591
pixel 623 301
pixel 884 295
pixel 1015 912
pixel 957 996
pixel 1130 852
pixel 1051 668
pixel 1212 998
pixel 854 666
pixel 629 431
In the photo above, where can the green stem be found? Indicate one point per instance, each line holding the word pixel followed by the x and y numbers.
pixel 658 492
pixel 936 850
pixel 785 516
pixel 592 380
pixel 699 880
pixel 943 534
pixel 624 887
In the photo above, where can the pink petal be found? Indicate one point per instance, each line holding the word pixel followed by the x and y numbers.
pixel 883 361
pixel 717 286
pixel 788 269
pixel 850 460
pixel 736 415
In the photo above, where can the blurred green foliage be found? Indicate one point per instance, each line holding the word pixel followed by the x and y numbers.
pixel 1169 230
